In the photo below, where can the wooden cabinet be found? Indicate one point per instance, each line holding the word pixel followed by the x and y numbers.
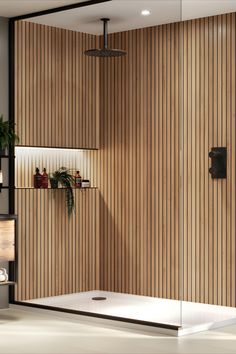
pixel 7 238
pixel 56 87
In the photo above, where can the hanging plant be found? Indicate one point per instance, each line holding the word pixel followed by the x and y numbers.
pixel 66 179
pixel 8 137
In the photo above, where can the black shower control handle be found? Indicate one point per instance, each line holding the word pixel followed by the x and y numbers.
pixel 218 156
pixel 215 154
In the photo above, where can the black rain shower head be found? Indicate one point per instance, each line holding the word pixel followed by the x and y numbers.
pixel 105 52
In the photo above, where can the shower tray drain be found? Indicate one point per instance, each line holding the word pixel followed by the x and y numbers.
pixel 99 298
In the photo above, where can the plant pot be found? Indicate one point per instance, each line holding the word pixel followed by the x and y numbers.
pixel 53 183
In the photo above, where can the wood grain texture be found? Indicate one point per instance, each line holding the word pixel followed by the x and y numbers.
pixel 175 89
pixel 209 121
pixel 7 240
pixel 56 87
pixel 56 254
pixel 140 122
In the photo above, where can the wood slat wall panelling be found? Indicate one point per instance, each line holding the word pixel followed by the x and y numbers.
pixel 57 255
pixel 142 123
pixel 174 90
pixel 139 111
pixel 56 87
pixel 209 115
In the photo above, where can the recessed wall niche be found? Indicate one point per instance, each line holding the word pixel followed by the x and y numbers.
pixel 28 158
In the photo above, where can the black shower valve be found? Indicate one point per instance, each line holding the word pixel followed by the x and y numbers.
pixel 218 162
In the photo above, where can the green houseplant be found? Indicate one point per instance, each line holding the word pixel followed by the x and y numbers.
pixel 8 137
pixel 66 179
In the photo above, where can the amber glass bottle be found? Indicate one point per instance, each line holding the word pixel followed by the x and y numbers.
pixel 44 179
pixel 37 179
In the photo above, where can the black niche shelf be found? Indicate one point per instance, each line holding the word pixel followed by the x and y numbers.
pixel 53 189
pixel 58 147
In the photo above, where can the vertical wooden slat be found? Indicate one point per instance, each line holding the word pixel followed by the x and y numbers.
pixel 227 141
pixel 224 125
pixel 233 165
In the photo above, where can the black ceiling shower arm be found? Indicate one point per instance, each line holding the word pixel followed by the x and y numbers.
pixel 105 32
pixel 105 52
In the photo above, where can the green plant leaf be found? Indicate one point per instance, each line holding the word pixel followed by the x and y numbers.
pixel 66 179
pixel 8 137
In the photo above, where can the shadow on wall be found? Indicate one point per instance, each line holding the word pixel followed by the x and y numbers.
pixel 118 266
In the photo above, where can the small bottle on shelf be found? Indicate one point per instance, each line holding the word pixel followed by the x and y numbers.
pixel 78 180
pixel 44 178
pixel 85 183
pixel 37 179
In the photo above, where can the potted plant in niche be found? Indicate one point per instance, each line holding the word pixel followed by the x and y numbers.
pixel 8 137
pixel 66 179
